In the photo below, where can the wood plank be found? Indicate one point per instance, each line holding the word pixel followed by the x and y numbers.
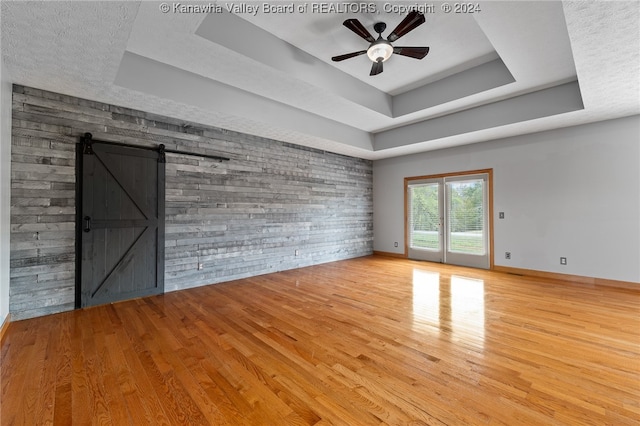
pixel 338 343
pixel 271 200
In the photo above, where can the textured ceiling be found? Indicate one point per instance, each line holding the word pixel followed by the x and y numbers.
pixel 510 68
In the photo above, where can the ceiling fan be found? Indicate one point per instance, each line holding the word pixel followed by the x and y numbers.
pixel 380 49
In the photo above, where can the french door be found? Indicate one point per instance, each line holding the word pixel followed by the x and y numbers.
pixel 448 219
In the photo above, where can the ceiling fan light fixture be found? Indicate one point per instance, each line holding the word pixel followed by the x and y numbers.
pixel 380 50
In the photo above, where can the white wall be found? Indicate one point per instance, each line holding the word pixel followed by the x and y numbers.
pixel 5 187
pixel 571 192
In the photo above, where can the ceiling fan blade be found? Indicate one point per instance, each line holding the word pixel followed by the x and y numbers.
pixel 412 52
pixel 355 26
pixel 410 23
pixel 376 68
pixel 348 56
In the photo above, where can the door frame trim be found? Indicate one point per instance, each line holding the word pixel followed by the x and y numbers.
pixel 488 172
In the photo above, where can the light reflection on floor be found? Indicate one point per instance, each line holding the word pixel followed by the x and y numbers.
pixel 454 305
pixel 467 307
pixel 426 299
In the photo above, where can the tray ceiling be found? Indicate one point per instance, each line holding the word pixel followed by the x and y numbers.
pixel 510 68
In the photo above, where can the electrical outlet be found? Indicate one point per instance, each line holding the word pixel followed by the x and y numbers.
pixel 501 215
pixel 507 255
pixel 200 266
pixel 297 252
pixel 563 260
pixel 395 244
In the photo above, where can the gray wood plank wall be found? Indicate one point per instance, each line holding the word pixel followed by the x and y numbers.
pixel 237 219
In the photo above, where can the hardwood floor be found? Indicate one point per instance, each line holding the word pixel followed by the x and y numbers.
pixel 368 341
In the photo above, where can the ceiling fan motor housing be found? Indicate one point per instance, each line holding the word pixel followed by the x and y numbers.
pixel 379 27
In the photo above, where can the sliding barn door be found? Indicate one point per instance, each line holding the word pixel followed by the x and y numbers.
pixel 122 226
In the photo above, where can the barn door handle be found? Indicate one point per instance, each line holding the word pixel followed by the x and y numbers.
pixel 87 223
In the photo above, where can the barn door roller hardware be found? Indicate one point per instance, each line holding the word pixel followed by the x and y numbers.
pixel 87 142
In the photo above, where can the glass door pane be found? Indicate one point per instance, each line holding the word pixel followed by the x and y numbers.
pixel 424 225
pixel 466 217
pixel 467 221
pixel 424 220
